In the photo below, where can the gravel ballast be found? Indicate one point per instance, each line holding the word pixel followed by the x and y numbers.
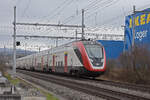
pixel 67 93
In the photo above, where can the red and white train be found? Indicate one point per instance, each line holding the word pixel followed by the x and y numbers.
pixel 84 58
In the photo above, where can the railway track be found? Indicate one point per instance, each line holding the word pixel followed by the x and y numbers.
pixel 134 87
pixel 108 94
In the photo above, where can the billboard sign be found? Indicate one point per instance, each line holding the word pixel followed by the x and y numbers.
pixel 142 28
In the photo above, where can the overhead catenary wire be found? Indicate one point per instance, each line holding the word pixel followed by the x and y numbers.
pixel 68 19
pixel 110 20
pixel 55 12
pixel 125 13
pixel 55 9
pixel 106 21
pixel 94 7
pixel 26 8
pixel 108 4
pixel 97 4
pixel 113 19
pixel 73 16
pixel 18 2
pixel 101 6
pixel 90 5
pixel 60 11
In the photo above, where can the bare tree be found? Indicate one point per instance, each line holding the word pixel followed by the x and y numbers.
pixel 136 64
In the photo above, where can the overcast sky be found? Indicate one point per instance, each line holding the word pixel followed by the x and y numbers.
pixel 98 13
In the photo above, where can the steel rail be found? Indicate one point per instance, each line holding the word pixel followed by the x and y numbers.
pixel 86 88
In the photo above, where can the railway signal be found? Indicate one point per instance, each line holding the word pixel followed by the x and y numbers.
pixel 18 43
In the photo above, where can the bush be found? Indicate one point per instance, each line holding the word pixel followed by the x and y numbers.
pixel 111 64
pixel 136 65
pixel 132 66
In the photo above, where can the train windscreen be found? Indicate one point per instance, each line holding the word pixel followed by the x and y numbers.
pixel 95 53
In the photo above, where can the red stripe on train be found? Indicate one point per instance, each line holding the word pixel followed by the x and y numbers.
pixel 53 67
pixel 66 67
pixel 86 61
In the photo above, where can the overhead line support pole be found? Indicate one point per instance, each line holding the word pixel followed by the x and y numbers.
pixel 83 24
pixel 14 44
pixel 133 30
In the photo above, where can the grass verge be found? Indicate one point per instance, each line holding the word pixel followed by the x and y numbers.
pixel 11 80
pixel 48 95
pixel 18 80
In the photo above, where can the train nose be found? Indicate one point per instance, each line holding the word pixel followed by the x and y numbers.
pixel 98 62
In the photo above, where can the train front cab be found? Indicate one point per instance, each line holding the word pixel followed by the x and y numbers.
pixel 92 56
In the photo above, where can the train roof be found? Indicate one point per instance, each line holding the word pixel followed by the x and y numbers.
pixel 45 52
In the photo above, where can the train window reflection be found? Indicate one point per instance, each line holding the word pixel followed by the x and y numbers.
pixel 94 51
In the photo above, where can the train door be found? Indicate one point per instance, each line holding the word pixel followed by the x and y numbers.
pixel 53 67
pixel 65 60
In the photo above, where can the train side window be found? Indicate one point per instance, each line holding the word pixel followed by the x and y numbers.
pixel 61 63
pixel 58 63
pixel 78 53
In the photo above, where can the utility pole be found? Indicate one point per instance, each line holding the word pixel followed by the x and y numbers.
pixel 133 24
pixel 14 44
pixel 83 24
